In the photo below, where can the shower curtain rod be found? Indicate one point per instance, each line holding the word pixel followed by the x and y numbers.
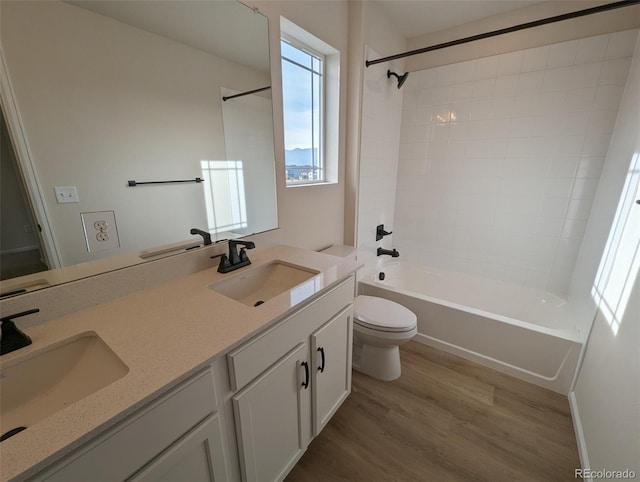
pixel 514 28
pixel 254 91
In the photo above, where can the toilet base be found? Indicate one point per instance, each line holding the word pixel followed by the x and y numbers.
pixel 378 362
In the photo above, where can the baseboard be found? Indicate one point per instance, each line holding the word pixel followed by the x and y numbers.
pixel 577 428
pixel 18 250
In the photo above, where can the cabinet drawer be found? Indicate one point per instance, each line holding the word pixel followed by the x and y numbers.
pixel 254 357
pixel 136 441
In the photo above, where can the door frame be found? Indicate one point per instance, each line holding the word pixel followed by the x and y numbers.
pixel 26 167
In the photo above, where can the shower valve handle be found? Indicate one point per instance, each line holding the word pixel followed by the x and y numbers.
pixel 381 233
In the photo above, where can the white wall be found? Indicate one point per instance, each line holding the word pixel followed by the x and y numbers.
pixel 500 158
pixel 150 110
pixel 311 216
pixel 607 391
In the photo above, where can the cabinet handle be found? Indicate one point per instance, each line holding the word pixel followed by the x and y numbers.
pixel 305 384
pixel 321 367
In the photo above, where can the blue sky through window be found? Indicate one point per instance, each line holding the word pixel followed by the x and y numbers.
pixel 301 90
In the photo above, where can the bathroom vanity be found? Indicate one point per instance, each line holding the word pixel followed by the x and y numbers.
pixel 215 387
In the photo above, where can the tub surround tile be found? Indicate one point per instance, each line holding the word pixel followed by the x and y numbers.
pixel 536 125
pixel 562 54
pixel 592 49
pixel 535 59
pixel 621 44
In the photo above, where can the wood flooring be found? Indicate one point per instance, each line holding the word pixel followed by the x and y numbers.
pixel 444 419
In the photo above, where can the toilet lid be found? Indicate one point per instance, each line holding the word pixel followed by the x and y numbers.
pixel 378 313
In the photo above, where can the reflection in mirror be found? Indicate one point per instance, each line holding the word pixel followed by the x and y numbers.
pixel 100 93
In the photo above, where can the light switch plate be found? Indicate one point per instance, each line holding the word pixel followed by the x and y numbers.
pixel 66 194
pixel 100 230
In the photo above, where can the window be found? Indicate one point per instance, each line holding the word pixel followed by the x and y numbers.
pixel 224 195
pixel 303 107
pixel 620 262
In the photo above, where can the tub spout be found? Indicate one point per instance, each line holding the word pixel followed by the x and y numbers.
pixel 393 252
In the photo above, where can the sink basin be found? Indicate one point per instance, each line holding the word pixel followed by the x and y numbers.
pixel 39 385
pixel 260 284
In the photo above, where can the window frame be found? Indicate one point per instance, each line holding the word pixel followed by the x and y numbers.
pixel 321 73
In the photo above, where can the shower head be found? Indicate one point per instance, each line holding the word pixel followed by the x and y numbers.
pixel 401 78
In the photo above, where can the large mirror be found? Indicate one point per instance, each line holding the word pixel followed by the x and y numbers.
pixel 100 98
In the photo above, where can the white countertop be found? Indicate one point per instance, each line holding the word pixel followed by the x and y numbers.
pixel 163 335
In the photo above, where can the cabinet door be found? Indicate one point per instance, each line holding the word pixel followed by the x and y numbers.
pixel 331 347
pixel 271 414
pixel 198 456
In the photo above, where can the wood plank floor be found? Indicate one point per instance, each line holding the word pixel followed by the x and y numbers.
pixel 444 419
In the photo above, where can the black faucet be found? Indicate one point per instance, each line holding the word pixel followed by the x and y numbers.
pixel 205 236
pixel 12 337
pixel 235 260
pixel 393 253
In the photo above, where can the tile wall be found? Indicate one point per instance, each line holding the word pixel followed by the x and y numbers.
pixel 500 157
pixel 379 141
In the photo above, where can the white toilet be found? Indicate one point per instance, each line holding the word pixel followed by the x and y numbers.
pixel 380 326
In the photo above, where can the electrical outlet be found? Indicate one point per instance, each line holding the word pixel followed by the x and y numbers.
pixel 100 225
pixel 100 230
pixel 66 194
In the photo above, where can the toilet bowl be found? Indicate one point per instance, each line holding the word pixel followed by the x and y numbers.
pixel 380 326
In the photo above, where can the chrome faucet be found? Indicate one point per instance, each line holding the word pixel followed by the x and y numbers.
pixel 13 338
pixel 235 260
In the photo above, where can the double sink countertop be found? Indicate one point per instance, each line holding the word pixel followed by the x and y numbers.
pixel 163 334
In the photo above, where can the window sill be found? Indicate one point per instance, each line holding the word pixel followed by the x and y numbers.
pixel 311 183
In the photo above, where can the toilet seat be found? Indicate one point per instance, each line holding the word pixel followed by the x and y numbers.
pixel 383 315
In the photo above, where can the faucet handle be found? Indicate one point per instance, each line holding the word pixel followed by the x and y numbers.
pixel 224 265
pixel 381 233
pixel 12 337
pixel 19 315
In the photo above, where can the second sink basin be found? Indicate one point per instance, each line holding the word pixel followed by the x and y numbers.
pixel 39 385
pixel 258 285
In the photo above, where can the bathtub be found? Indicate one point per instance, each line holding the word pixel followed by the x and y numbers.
pixel 526 333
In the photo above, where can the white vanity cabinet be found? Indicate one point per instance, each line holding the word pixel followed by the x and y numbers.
pixel 177 437
pixel 289 381
pixel 250 414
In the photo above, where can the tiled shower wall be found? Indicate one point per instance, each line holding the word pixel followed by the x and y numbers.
pixel 500 158
pixel 379 141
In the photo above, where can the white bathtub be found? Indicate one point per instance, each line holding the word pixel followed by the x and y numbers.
pixel 520 331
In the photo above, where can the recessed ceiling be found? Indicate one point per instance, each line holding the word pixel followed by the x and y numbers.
pixel 414 18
